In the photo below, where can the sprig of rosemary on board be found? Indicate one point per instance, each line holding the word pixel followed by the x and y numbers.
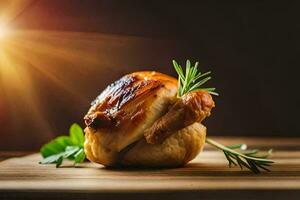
pixel 65 147
pixel 244 158
pixel 193 80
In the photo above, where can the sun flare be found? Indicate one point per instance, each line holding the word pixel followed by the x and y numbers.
pixel 3 31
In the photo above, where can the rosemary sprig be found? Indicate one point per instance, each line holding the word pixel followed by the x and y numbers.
pixel 248 159
pixel 192 80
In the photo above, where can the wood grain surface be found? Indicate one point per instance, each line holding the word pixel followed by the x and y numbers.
pixel 206 177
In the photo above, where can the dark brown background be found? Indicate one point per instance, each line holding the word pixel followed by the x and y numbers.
pixel 252 49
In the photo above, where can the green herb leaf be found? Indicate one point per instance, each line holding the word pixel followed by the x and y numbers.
pixel 76 134
pixel 79 156
pixel 71 151
pixel 65 147
pixel 59 161
pixel 51 159
pixel 56 146
pixel 238 146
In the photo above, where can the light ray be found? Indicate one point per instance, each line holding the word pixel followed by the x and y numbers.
pixel 54 58
pixel 19 90
pixel 4 31
pixel 10 9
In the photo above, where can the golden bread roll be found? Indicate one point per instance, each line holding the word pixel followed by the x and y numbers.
pixel 176 150
pixel 139 121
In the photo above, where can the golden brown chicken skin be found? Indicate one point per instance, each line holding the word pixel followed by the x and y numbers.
pixel 138 120
pixel 107 109
pixel 190 108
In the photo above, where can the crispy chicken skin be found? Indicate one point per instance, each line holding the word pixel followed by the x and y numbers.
pixel 138 120
pixel 190 108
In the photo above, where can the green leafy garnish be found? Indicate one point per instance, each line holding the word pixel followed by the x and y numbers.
pixel 192 80
pixel 65 147
pixel 242 158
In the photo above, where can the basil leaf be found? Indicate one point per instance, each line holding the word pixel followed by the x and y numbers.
pixel 65 147
pixel 80 156
pixel 57 158
pixel 48 150
pixel 56 146
pixel 59 161
pixel 76 134
pixel 64 141
pixel 51 159
pixel 71 151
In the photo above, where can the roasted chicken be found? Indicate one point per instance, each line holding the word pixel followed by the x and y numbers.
pixel 139 121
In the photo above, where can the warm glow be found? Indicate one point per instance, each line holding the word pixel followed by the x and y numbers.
pixel 25 53
pixel 30 58
pixel 3 31
pixel 34 59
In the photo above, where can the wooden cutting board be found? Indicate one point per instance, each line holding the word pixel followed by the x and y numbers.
pixel 206 177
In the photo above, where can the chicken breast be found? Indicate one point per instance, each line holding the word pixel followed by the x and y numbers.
pixel 138 120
